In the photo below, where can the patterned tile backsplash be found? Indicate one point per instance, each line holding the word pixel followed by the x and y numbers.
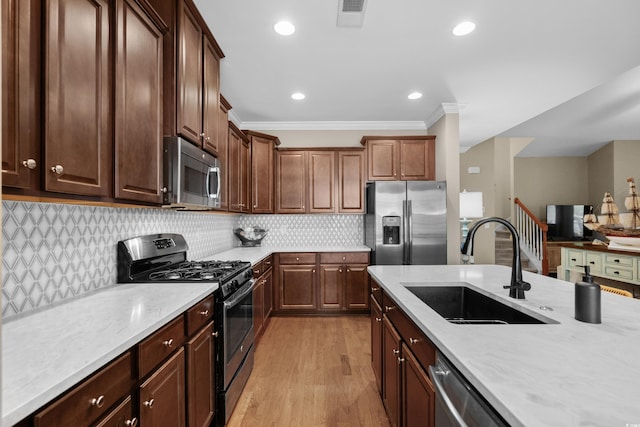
pixel 52 252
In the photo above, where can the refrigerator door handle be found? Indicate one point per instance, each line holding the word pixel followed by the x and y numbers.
pixel 409 241
pixel 405 232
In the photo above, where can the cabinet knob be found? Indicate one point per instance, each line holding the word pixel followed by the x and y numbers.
pixel 164 189
pixel 256 272
pixel 264 281
pixel 395 351
pixel 215 334
pixel 297 259
pixel 400 360
pixel 204 313
pixel 133 422
pixel 208 139
pixel 339 270
pixel 413 341
pixel 313 271
pixel 378 319
pixel 57 169
pixel 29 163
pixel 202 135
pixel 168 343
pixel 348 270
pixel 388 308
pixel 375 289
pixel 98 402
pixel 344 258
pixel 148 403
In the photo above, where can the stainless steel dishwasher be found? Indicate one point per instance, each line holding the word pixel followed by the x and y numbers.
pixel 458 404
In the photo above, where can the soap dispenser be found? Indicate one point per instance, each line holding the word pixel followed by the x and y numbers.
pixel 587 299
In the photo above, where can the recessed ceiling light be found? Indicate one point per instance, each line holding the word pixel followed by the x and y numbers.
pixel 284 28
pixel 415 95
pixel 464 28
pixel 298 96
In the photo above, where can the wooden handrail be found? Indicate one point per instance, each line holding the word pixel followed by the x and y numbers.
pixel 543 229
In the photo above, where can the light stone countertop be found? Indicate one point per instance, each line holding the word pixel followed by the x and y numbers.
pixel 255 254
pixel 49 351
pixel 566 374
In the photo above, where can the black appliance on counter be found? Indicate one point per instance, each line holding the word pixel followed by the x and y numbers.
pixel 163 258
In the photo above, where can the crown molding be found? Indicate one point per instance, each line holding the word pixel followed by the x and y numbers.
pixel 444 108
pixel 233 118
pixel 335 125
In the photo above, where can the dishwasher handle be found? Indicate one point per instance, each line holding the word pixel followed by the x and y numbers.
pixel 436 377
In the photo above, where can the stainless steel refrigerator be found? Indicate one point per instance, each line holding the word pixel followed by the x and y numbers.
pixel 406 222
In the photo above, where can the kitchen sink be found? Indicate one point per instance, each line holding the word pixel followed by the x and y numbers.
pixel 461 304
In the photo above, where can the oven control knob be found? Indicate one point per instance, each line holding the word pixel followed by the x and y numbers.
pixel 249 274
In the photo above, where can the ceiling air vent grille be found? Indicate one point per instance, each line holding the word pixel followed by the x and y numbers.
pixel 351 13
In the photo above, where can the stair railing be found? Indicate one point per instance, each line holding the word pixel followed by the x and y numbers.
pixel 533 236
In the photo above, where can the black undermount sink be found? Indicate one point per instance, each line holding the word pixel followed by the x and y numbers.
pixel 464 305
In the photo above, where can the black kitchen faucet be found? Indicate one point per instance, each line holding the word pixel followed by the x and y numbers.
pixel 517 285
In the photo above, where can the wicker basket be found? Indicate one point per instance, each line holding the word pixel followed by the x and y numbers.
pixel 251 238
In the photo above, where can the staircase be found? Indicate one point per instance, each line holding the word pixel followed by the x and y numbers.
pixel 504 251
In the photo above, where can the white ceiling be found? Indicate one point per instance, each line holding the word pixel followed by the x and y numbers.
pixel 564 72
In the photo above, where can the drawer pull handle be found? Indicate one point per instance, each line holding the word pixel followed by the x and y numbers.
pixel 400 360
pixel 375 289
pixel 378 319
pixel 98 402
pixel 616 272
pixel 168 343
pixel 133 422
pixel 344 258
pixel 616 260
pixel 413 341
pixel 256 272
pixel 57 169
pixel 148 403
pixel 297 259
pixel 388 308
pixel 215 334
pixel 573 259
pixel 396 352
pixel 204 313
pixel 264 281
pixel 29 164
pixel 592 262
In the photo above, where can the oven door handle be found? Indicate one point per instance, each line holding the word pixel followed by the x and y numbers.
pixel 237 297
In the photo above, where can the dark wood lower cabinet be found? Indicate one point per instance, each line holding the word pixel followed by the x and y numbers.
pixel 418 393
pixel 201 378
pixel 391 355
pixel 297 287
pixel 121 416
pixel 376 341
pixel 162 395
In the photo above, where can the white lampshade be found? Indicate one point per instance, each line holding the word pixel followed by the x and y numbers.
pixel 471 204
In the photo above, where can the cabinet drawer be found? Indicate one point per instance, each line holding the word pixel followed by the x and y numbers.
pixel 376 291
pixel 575 258
pixel 298 258
pixel 267 263
pixel 161 344
pixel 618 272
pixel 199 314
pixel 344 258
pixel 419 344
pixel 594 261
pixel 618 260
pixel 92 398
pixel 258 268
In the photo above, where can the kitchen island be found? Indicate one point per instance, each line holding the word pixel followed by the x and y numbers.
pixel 565 373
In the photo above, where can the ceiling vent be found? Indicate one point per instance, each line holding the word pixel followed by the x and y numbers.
pixel 351 13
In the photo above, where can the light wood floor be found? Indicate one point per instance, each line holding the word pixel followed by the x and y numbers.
pixel 312 371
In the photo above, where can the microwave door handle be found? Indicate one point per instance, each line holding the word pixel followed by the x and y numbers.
pixel 207 187
pixel 216 169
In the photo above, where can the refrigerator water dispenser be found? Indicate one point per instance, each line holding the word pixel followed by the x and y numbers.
pixel 390 230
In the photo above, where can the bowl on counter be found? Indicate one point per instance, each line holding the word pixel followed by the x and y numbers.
pixel 250 236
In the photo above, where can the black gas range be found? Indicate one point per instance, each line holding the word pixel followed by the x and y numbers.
pixel 163 258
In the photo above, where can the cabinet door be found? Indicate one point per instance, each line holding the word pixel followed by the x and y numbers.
pixel 391 390
pixel 189 99
pixel 297 287
pixel 351 181
pixel 238 172
pixel 418 393
pixel 21 71
pixel 201 378
pixel 211 98
pixel 78 108
pixel 162 395
pixel 268 295
pixel 121 416
pixel 383 160
pixel 262 165
pixel 417 160
pixel 138 126
pixel 356 286
pixel 245 179
pixel 258 306
pixel 321 180
pixel 376 342
pixel 331 286
pixel 291 182
pixel 223 156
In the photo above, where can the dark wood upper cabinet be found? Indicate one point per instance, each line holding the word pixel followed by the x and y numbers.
pixel 407 158
pixel 223 152
pixel 322 173
pixel 351 172
pixel 262 171
pixel 211 97
pixel 21 97
pixel 239 169
pixel 291 181
pixel 138 98
pixel 189 109
pixel 78 109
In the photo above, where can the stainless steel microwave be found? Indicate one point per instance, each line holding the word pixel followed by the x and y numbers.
pixel 191 176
